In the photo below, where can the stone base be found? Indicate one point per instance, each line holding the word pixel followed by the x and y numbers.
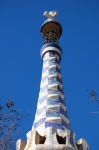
pixel 52 140
pixel 55 147
pixel 20 145
pixel 82 144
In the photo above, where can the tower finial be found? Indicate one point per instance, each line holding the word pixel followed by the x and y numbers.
pixel 51 29
pixel 51 15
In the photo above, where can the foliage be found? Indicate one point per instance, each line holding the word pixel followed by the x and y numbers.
pixel 9 125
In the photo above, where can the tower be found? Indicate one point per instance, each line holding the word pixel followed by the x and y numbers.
pixel 51 128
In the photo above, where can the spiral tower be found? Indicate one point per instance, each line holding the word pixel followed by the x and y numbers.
pixel 51 128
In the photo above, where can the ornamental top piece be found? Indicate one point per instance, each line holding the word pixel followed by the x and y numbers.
pixel 51 15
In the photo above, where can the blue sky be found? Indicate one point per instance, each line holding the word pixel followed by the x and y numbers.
pixel 21 65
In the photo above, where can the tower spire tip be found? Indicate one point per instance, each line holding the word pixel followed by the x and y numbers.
pixel 51 15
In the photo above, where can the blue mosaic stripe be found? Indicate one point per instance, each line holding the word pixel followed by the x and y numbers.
pixel 51 45
pixel 53 102
pixel 53 92
pixel 58 70
pixel 61 90
pixel 58 79
pixel 65 124
pixel 44 78
pixel 42 99
pixel 52 72
pixel 63 112
pixel 61 100
pixel 53 63
pixel 52 81
pixel 39 111
pixel 38 123
pixel 43 89
pixel 50 113
pixel 56 102
pixel 55 125
pixel 52 77
pixel 71 139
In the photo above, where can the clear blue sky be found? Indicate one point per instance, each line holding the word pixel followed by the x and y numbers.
pixel 21 66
